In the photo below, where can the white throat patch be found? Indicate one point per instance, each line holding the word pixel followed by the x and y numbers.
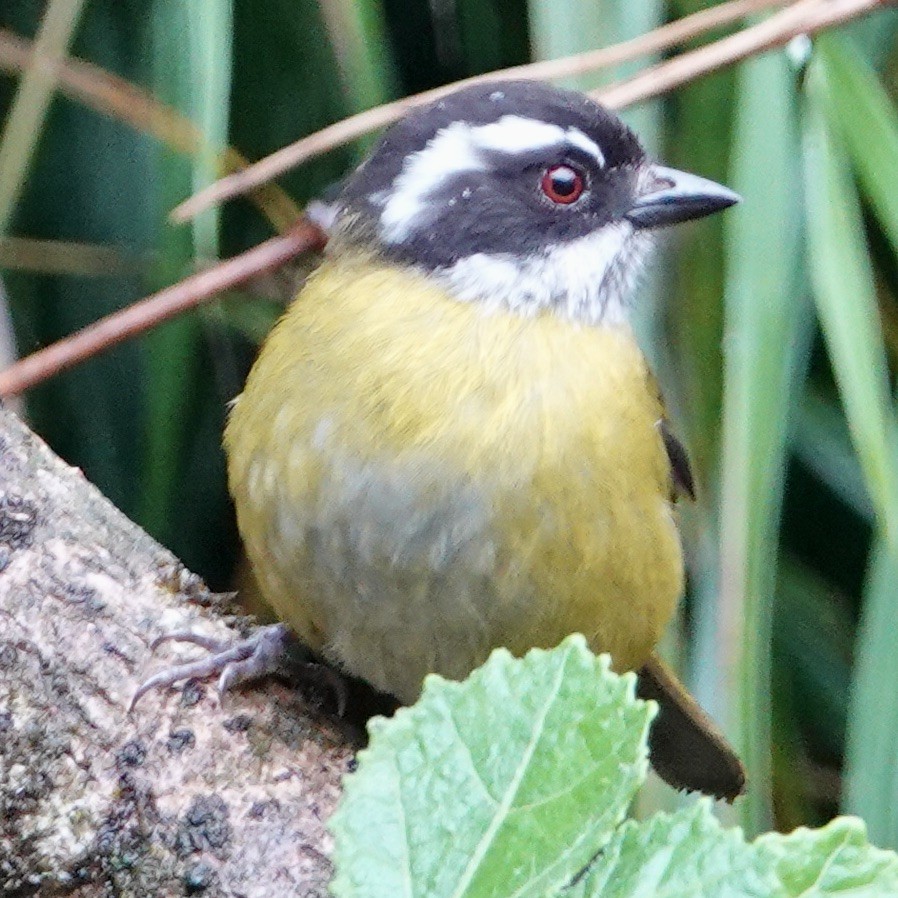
pixel 588 280
pixel 459 148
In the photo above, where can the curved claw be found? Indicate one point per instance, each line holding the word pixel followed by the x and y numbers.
pixel 262 653
pixel 247 659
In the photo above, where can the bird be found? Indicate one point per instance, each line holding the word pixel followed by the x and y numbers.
pixel 452 441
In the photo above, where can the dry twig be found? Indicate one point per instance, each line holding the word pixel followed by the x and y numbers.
pixel 161 306
pixel 802 17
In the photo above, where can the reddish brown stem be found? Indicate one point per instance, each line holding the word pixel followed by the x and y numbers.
pixel 159 307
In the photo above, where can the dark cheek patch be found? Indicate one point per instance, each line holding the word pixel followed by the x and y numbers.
pixel 502 213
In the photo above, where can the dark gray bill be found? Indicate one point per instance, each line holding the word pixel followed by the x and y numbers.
pixel 678 196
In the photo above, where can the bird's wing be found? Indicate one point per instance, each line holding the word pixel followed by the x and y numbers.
pixel 682 481
pixel 685 747
pixel 680 470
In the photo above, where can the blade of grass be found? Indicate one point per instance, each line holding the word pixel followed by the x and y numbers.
pixel 765 362
pixel 847 305
pixel 852 98
pixel 859 106
pixel 191 67
pixel 813 638
pixel 8 351
pixel 25 120
pixel 689 355
pixel 870 785
pixel 358 37
pixel 489 36
pixel 111 95
pixel 563 29
pixel 66 257
pixel 842 277
pixel 822 443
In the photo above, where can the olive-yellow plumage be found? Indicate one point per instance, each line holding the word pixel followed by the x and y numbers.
pixel 419 480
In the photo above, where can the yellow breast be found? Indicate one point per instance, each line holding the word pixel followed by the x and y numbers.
pixel 418 481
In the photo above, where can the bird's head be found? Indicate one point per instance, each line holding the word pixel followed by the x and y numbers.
pixel 519 196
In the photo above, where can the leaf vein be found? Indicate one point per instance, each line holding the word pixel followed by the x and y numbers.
pixel 514 784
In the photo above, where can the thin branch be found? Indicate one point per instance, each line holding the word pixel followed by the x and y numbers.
pixel 356 126
pixel 803 17
pixel 155 309
pixel 113 96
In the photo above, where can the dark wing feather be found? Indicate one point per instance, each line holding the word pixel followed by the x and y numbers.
pixel 681 472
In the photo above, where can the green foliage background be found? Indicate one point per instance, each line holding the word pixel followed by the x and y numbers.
pixel 774 328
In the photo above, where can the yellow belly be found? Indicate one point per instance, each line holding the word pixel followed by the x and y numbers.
pixel 418 482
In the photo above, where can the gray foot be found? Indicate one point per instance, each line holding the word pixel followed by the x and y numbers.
pixel 267 651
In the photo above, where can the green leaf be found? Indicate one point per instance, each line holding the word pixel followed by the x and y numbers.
pixel 197 83
pixel 813 638
pixel 24 123
pixel 504 785
pixel 687 854
pixel 822 443
pixel 515 783
pixel 690 855
pixel 836 859
pixel 838 91
pixel 356 30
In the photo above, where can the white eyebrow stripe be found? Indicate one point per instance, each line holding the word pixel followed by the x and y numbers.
pixel 458 148
pixel 577 138
pixel 517 134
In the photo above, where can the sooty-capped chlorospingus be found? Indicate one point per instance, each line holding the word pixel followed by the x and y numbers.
pixel 451 441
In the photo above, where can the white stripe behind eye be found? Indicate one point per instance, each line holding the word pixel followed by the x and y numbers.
pixel 459 148
pixel 449 152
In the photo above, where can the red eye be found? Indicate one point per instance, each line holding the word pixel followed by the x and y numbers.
pixel 562 184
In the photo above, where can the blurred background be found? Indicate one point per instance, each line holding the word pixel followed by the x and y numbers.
pixel 773 328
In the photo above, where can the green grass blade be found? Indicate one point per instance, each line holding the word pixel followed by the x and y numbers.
pixel 858 105
pixel 813 638
pixel 565 27
pixel 570 26
pixel 842 278
pixel 191 69
pixel 870 787
pixel 766 328
pixel 357 34
pixel 846 302
pixel 822 443
pixel 25 119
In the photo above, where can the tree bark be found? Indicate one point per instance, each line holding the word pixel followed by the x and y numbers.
pixel 186 795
